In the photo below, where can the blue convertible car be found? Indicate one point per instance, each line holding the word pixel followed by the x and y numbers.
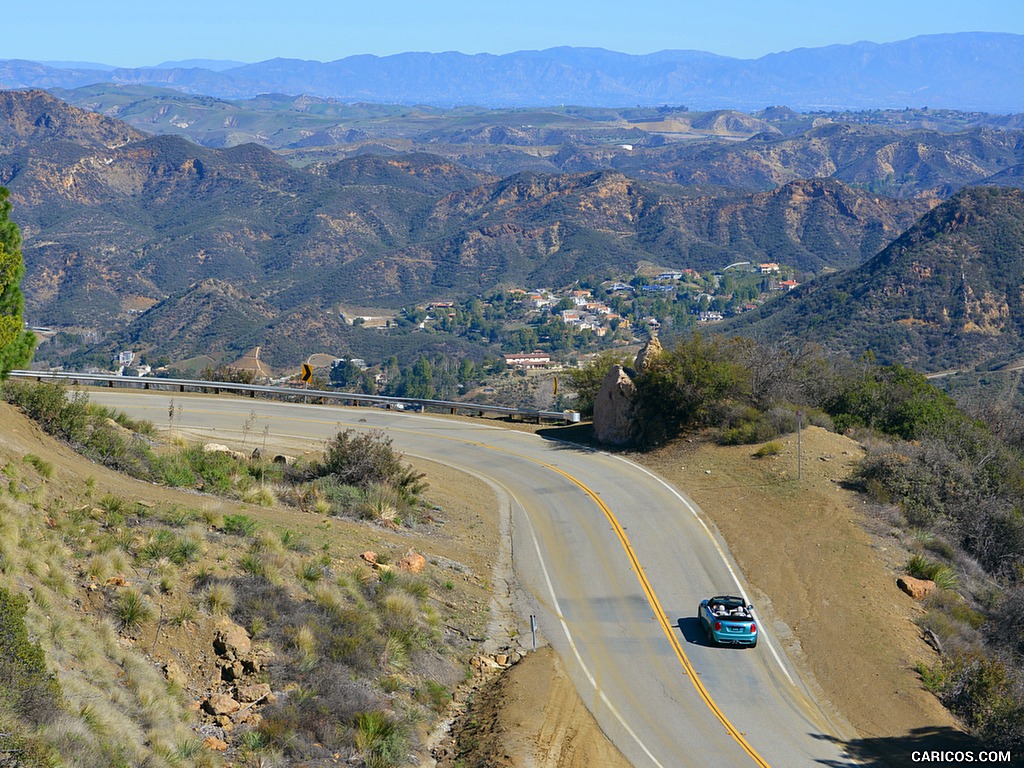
pixel 728 620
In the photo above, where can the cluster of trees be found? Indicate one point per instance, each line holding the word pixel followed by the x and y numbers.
pixel 431 377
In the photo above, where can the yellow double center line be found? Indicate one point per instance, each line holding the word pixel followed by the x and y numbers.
pixel 662 618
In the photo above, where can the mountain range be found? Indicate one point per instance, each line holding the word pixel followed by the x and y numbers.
pixel 965 71
pixel 156 243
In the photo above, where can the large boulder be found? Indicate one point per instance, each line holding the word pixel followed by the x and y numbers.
pixel 615 407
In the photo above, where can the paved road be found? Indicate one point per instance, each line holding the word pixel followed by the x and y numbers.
pixel 616 562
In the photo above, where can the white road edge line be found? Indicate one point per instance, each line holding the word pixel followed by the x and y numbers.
pixel 572 643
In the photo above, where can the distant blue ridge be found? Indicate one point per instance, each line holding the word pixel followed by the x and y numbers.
pixel 968 71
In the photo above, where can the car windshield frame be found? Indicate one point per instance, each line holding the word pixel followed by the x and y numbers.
pixel 730 603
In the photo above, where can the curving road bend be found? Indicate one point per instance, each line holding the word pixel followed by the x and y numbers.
pixel 615 561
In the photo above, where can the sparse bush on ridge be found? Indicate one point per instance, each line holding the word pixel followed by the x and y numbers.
pixel 85 426
pixel 367 459
pixel 768 449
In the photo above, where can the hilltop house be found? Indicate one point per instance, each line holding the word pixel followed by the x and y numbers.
pixel 528 360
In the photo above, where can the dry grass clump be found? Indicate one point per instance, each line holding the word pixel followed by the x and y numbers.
pixel 219 598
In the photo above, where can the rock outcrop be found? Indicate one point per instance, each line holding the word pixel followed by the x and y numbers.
pixel 231 641
pixel 413 562
pixel 615 407
pixel 647 354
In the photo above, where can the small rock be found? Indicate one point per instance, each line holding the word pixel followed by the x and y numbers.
pixel 412 562
pixel 254 692
pixel 217 745
pixel 369 556
pixel 233 671
pixel 918 589
pixel 221 704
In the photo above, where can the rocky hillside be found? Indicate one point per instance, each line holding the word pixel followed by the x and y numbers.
pixel 124 232
pixel 944 294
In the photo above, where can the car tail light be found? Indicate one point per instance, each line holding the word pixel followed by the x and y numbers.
pixel 753 628
pixel 718 626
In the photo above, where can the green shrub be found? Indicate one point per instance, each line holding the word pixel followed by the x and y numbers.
pixel 311 571
pixel 27 749
pixel 143 427
pixel 175 472
pixel 381 740
pixel 768 449
pixel 893 400
pixel 49 405
pixel 239 525
pixel 955 607
pixel 295 542
pixel 434 696
pixel 41 466
pixel 919 567
pixel 982 692
pixel 132 609
pixel 131 455
pixel 25 684
pixel 364 459
pixel 215 471
pixel 343 499
pixel 922 568
pixel 692 384
pixel 158 546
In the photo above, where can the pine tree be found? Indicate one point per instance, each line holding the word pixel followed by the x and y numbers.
pixel 16 343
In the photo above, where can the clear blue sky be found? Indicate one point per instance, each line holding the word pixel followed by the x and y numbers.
pixel 139 33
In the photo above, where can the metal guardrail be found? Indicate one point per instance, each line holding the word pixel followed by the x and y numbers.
pixel 290 393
